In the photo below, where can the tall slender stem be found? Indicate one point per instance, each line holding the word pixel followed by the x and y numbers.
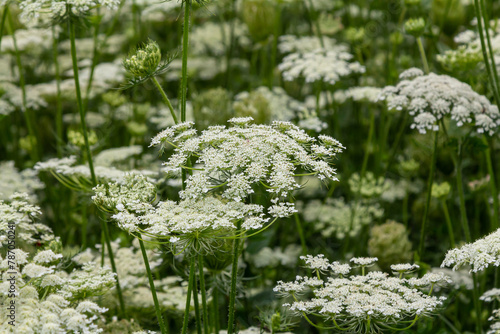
pixel 215 306
pixel 196 306
pixel 234 275
pixel 493 186
pixel 428 198
pixel 203 294
pixel 59 112
pixel 28 116
pixel 477 306
pixel 490 48
pixel 460 187
pixel 482 38
pixel 165 99
pixel 449 225
pixel 422 55
pixel 188 297
pixel 152 286
pixel 72 35
pixel 2 23
pixel 104 226
pixel 185 46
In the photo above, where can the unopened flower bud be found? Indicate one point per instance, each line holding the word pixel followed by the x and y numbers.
pixel 144 61
pixel 415 27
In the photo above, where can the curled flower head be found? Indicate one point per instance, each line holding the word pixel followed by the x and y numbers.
pixel 144 61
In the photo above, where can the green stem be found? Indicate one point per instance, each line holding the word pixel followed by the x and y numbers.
pixel 460 187
pixel 448 222
pixel 28 116
pixel 312 11
pixel 203 294
pixel 185 46
pixel 402 126
pixel 59 111
pixel 95 57
pixel 71 27
pixel 152 286
pixel 484 51
pixel 422 55
pixel 104 226
pixel 113 266
pixel 2 23
pixel 165 99
pixel 234 275
pixel 196 306
pixel 215 305
pixel 493 186
pixel 477 306
pixel 188 297
pixel 274 50
pixel 490 49
pixel 301 233
pixel 428 199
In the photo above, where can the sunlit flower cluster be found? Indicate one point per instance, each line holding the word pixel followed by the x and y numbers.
pixel 371 303
pixel 238 157
pixel 479 255
pixel 327 65
pixel 431 97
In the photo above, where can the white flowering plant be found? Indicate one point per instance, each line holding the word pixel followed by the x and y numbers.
pixel 372 302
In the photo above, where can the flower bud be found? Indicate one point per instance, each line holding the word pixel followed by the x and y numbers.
pixel 145 61
pixel 415 27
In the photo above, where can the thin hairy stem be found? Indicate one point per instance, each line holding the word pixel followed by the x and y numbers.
pixel 163 329
pixel 428 198
pixel 59 111
pixel 185 46
pixel 104 226
pixel 422 55
pixel 165 99
pixel 493 186
pixel 203 294
pixel 234 276
pixel 449 225
pixel 188 297
pixel 28 116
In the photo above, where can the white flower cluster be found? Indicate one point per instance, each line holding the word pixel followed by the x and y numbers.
pixel 469 54
pixel 112 156
pixel 302 44
pixel 328 65
pixel 357 94
pixel 48 299
pixel 13 180
pixel 18 213
pixel 374 300
pixel 267 257
pixel 243 155
pixel 488 296
pixel 31 10
pixel 370 186
pixel 333 218
pixel 213 38
pixel 190 217
pixel 479 255
pixel 431 97
pixel 281 107
pixel 67 170
pixel 130 267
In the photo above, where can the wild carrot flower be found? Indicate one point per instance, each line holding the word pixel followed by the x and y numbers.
pixel 236 158
pixel 479 255
pixel 371 303
pixel 429 98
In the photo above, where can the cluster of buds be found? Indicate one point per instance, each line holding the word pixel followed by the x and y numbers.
pixel 145 61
